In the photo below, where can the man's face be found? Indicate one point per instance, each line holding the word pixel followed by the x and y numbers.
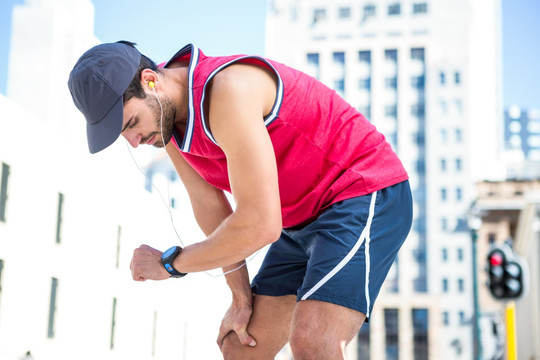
pixel 143 122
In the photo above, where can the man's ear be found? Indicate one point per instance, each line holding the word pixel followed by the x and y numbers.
pixel 148 78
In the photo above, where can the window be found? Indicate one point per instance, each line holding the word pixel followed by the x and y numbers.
pixel 444 135
pixel 420 166
pixel 59 218
pixel 366 111
pixel 420 334
pixel 444 194
pixel 444 254
pixel 363 342
pixel 339 64
pixel 459 136
pixel 444 224
pixel 459 194
pixel 392 333
pixel 313 65
pixel 390 111
pixel 319 15
pixel 459 164
pixel 52 308
pixel 339 58
pixel 491 238
pixel 313 59
pixel 369 10
pixel 445 285
pixel 418 110
pixel 364 56
pixel 339 86
pixel 1 268
pixel 457 78
pixel 460 254
pixel 419 8
pixel 390 55
pixel 394 9
pixel 113 324
pixel 344 12
pixel 443 164
pixel 442 78
pixel 462 319
pixel 417 54
pixel 4 191
pixel 118 236
pixel 390 83
pixel 461 285
pixel 418 82
pixel 446 318
pixel 364 84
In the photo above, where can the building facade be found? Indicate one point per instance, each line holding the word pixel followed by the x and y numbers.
pixel 69 221
pixel 510 213
pixel 427 75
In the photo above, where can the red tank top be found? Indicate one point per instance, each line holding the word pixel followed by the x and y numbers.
pixel 326 151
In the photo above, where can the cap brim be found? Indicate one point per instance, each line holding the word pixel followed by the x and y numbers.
pixel 105 132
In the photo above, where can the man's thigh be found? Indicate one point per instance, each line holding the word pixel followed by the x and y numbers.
pixel 324 328
pixel 269 326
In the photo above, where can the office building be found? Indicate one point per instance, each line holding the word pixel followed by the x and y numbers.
pixel 427 74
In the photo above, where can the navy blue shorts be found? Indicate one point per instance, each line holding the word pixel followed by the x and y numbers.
pixel 344 255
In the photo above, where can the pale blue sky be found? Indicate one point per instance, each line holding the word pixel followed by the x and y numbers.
pixel 237 26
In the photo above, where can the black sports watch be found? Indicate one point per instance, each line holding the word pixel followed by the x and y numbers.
pixel 167 259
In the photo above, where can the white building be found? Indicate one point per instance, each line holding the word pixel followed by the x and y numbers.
pixel 428 74
pixel 69 221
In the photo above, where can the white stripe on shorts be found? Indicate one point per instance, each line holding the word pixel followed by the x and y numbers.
pixel 364 236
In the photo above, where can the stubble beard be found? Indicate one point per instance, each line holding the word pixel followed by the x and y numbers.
pixel 165 130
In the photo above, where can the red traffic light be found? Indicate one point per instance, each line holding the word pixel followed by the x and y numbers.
pixel 496 259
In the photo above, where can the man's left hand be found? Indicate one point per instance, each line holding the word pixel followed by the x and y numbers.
pixel 146 264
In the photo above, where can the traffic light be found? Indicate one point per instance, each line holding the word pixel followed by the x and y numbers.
pixel 507 273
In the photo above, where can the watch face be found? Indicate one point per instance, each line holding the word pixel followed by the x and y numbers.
pixel 168 252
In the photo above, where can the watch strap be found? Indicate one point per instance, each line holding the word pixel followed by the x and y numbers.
pixel 167 259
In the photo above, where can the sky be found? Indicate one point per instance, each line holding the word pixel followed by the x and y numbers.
pixel 221 27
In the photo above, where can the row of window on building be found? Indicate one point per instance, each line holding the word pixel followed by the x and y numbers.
pixel 446 285
pixel 391 327
pixel 458 164
pixel 54 288
pixel 4 197
pixel 52 316
pixel 368 11
pixel 458 194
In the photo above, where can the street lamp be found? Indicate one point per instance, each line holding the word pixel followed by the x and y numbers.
pixel 475 222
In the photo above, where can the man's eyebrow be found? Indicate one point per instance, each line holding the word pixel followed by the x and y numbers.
pixel 127 124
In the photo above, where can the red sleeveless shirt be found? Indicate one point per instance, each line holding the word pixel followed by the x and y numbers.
pixel 326 151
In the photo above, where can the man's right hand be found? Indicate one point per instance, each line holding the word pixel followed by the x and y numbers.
pixel 146 264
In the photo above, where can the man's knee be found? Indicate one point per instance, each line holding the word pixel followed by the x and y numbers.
pixel 230 347
pixel 304 341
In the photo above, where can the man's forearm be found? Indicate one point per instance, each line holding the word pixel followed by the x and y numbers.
pixel 238 237
pixel 238 282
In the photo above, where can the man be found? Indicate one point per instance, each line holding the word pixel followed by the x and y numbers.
pixel 309 175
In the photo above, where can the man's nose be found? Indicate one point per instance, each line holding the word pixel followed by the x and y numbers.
pixel 133 139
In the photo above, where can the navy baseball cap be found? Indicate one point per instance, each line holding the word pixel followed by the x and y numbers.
pixel 97 84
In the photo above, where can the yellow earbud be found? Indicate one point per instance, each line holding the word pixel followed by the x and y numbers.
pixel 151 84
